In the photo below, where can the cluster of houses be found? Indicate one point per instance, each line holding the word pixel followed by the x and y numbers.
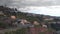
pixel 23 23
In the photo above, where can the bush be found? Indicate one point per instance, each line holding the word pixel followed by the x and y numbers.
pixel 3 25
pixel 19 31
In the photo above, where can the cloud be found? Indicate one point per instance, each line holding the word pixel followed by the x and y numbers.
pixel 23 3
pixel 31 6
pixel 49 10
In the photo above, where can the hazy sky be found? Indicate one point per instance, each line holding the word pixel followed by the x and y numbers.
pixel 47 7
pixel 46 10
pixel 23 3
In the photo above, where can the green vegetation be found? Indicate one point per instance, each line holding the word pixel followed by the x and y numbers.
pixel 19 31
pixel 25 30
pixel 3 25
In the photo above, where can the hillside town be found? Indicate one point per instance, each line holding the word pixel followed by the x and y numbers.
pixel 35 23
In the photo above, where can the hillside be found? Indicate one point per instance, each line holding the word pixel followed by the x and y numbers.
pixel 19 14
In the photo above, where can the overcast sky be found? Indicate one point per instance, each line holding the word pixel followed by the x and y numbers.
pixel 23 3
pixel 48 7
